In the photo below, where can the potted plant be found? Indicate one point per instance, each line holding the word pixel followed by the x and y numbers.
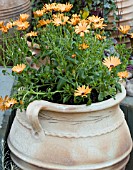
pixel 68 106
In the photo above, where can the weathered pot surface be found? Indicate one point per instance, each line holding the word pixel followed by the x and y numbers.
pixel 76 137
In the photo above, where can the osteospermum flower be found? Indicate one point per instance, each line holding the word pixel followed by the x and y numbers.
pixel 22 25
pixel 65 19
pixel 21 102
pixel 82 28
pixel 99 25
pixel 9 25
pixel 50 7
pixel 2 103
pixel 65 7
pixel 38 13
pixel 73 55
pixel 111 62
pixel 57 21
pixel 82 91
pixel 95 19
pixel 58 15
pixel 23 17
pixel 130 35
pixel 99 37
pixel 75 16
pixel 4 29
pixel 124 29
pixel 83 46
pixel 123 74
pixel 74 21
pixel 31 34
pixel 10 103
pixel 43 22
pixel 1 23
pixel 19 68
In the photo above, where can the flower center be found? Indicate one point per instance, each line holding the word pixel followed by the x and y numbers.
pixel 111 65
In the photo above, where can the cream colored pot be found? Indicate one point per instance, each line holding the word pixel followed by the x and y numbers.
pixel 71 137
pixel 10 9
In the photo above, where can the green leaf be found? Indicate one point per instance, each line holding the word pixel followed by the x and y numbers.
pixel 100 96
pixel 131 62
pixel 89 102
pixel 60 84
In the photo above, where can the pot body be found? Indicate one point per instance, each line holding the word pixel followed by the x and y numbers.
pixel 63 137
pixel 10 9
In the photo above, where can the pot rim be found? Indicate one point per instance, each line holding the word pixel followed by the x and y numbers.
pixel 56 107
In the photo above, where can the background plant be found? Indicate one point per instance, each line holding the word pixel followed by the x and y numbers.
pixel 101 8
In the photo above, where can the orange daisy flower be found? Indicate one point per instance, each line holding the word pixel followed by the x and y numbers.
pixel 75 16
pixel 95 19
pixel 73 56
pixel 38 13
pixel 2 103
pixel 83 46
pixel 123 74
pixel 10 103
pixel 82 91
pixel 4 29
pixel 57 21
pixel 9 25
pixel 43 22
pixel 21 102
pixel 22 25
pixel 82 28
pixel 130 35
pixel 99 37
pixel 49 7
pixel 55 7
pixel 31 34
pixel 66 7
pixel 74 21
pixel 1 24
pixel 111 62
pixel 58 15
pixel 124 29
pixel 65 19
pixel 99 25
pixel 19 68
pixel 23 17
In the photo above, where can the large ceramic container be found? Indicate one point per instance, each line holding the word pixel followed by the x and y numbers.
pixel 10 9
pixel 69 137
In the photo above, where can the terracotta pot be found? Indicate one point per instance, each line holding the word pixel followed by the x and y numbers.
pixel 125 13
pixel 71 137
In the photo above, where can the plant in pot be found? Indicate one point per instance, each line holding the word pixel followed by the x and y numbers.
pixel 68 106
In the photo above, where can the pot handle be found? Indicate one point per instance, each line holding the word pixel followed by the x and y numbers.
pixel 32 112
